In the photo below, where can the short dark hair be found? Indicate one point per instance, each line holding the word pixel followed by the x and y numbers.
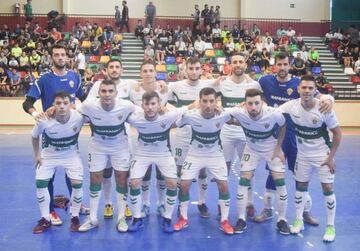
pixel 113 60
pixel 253 92
pixel 207 91
pixel 62 94
pixel 192 60
pixel 281 56
pixel 149 61
pixel 307 77
pixel 147 96
pixel 108 82
pixel 57 46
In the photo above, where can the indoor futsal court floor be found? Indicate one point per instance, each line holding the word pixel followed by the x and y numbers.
pixel 19 211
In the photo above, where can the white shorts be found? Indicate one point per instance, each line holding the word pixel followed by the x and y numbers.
pixel 230 145
pixel 140 164
pixel 215 164
pixel 181 149
pixel 305 168
pixel 251 159
pixel 72 165
pixel 119 161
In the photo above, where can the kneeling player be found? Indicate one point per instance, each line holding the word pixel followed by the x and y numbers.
pixel 260 125
pixel 315 152
pixel 59 148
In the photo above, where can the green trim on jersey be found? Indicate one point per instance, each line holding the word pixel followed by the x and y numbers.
pixel 231 102
pixel 153 137
pixel 109 131
pixel 205 137
pixel 307 133
pixel 256 135
pixel 60 142
pixel 181 102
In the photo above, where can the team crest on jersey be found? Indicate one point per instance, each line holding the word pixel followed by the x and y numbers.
pixel 162 125
pixel 289 91
pixel 315 121
pixel 120 117
pixel 217 125
pixel 75 128
pixel 71 84
pixel 267 125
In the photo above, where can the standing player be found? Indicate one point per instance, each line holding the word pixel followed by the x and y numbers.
pixel 153 148
pixel 59 148
pixel 113 72
pixel 109 143
pixel 261 125
pixel 315 151
pixel 279 89
pixel 185 92
pixel 205 152
pixel 57 79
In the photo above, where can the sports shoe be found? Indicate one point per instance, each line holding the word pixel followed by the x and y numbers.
pixel 329 235
pixel 122 225
pixel 128 213
pixel 167 225
pixel 309 219
pixel 181 224
pixel 203 210
pixel 250 211
pixel 136 225
pixel 266 214
pixel 161 210
pixel 42 225
pixel 226 227
pixel 88 225
pixel 283 227
pixel 55 219
pixel 84 210
pixel 75 224
pixel 145 211
pixel 297 226
pixel 108 211
pixel 240 226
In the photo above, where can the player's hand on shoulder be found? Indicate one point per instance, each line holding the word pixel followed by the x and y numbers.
pixel 326 105
pixel 163 87
pixel 38 116
pixel 50 112
pixel 163 110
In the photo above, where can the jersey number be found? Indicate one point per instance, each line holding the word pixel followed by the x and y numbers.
pixel 186 165
pixel 245 157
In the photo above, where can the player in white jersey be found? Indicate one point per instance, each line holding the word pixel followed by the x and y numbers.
pixel 113 72
pixel 183 93
pixel 153 148
pixel 148 83
pixel 232 91
pixel 264 128
pixel 315 152
pixel 59 148
pixel 205 152
pixel 109 143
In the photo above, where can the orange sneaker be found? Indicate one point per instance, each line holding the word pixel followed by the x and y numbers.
pixel 226 227
pixel 181 224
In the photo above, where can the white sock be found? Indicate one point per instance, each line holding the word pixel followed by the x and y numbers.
pixel 136 202
pixel 250 200
pixel 269 196
pixel 242 197
pixel 330 200
pixel 106 184
pixel 281 198
pixel 299 204
pixel 145 187
pixel 308 202
pixel 184 204
pixel 76 199
pixel 95 191
pixel 121 197
pixel 43 199
pixel 202 190
pixel 170 202
pixel 224 203
pixel 161 191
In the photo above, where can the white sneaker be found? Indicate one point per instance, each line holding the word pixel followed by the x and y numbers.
pixel 87 225
pixel 122 225
pixel 297 226
pixel 55 219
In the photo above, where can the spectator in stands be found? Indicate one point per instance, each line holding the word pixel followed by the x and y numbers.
pixel 149 53
pixel 207 35
pixel 178 32
pixel 322 83
pixel 187 35
pixel 205 14
pixel 73 43
pixel 95 47
pixel 4 82
pixel 81 62
pixel 304 54
pixel 229 46
pixel 180 47
pixel 125 17
pixel 269 45
pixel 346 57
pixel 254 58
pixel 207 70
pixel 357 67
pixel 3 59
pixel 13 63
pixel 147 29
pixel 240 46
pixel 196 16
pixel 170 48
pixel 38 29
pixel 212 16
pixel 169 31
pixel 247 40
pixel 267 36
pixel 280 32
pixel 290 33
pixel 163 38
pixel 329 36
pixel 196 32
pixel 259 45
pixel 117 17
pixel 217 15
pixel 242 31
pixel 283 41
pixel 45 37
pixel 190 50
pixel 139 30
pixel 108 33
pixel 314 58
pixel 199 47
pixel 24 62
pixel 225 69
pixel 298 66
pixel 265 59
pixel 78 31
pixel 28 11
pixel 16 51
pixel 150 13
pixel 235 33
pixel 299 41
pixel 25 82
pixel 55 35
pixel 45 61
pixel 216 34
pixel 354 36
pixel 160 53
pixel 256 30
pixel 355 54
pixel 345 41
pixel 338 34
pixel 225 32
pixel 35 60
pixel 97 32
pixel 14 78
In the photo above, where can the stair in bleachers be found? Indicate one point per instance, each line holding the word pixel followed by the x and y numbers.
pixel 132 55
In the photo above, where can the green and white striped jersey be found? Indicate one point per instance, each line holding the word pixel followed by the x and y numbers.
pixel 123 89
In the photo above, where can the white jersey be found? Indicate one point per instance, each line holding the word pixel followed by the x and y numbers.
pixel 154 136
pixel 261 134
pixel 59 140
pixel 233 94
pixel 107 127
pixel 311 128
pixel 183 94
pixel 123 89
pixel 205 132
pixel 136 93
